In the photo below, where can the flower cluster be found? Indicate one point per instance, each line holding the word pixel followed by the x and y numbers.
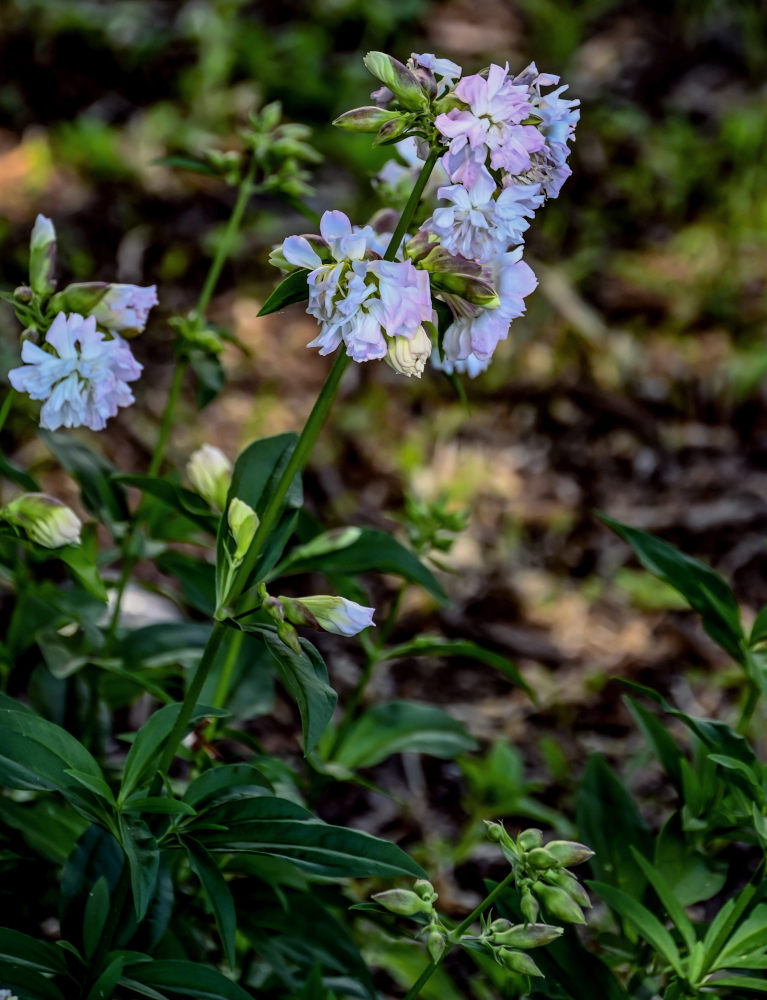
pixel 75 356
pixel 500 145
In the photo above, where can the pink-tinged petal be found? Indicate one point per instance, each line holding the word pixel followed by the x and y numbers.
pixel 63 333
pixel 334 225
pixel 297 250
pixel 455 124
pixel 472 90
pixel 495 79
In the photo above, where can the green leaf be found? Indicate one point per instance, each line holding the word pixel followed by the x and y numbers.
pixel 155 804
pixel 187 978
pixel 82 560
pixel 217 891
pixel 740 983
pixel 210 376
pixel 667 897
pixel 100 493
pixel 661 741
pixel 16 475
pixel 692 877
pixel 292 289
pixel 140 764
pixel 191 163
pixel 185 502
pixel 275 826
pixel 28 983
pixel 610 823
pixel 461 649
pixel 97 854
pixel 705 590
pixel 759 629
pixel 648 925
pixel 21 949
pixel 144 860
pixel 400 727
pixel 228 781
pixel 96 913
pixel 373 551
pixel 104 986
pixel 749 937
pixel 95 783
pixel 38 755
pixel 305 678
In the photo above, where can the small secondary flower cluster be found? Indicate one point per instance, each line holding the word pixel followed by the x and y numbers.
pixel 503 145
pixel 76 358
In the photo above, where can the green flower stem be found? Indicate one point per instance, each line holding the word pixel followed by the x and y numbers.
pixel 190 698
pixel 749 707
pixel 455 934
pixel 128 555
pixel 412 203
pixel 5 409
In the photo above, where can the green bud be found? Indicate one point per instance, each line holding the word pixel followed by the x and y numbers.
pixel 42 256
pixel 529 906
pixel 559 904
pixel 46 520
pixel 333 614
pixel 527 935
pixel 403 902
pixel 540 858
pixel 478 291
pixel 435 944
pixel 571 886
pixel 289 636
pixel 529 839
pixel 30 333
pixel 425 890
pixel 367 119
pixel 210 473
pixel 569 852
pixel 398 78
pixel 23 294
pixel 243 521
pixel 393 130
pixel 495 831
pixel 517 961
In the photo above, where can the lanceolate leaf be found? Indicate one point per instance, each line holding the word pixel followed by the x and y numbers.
pixel 190 979
pixel 270 825
pixel 217 892
pixel 646 923
pixel 27 983
pixel 292 289
pixel 178 498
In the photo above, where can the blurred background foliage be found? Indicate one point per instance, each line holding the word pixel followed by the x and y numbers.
pixel 633 385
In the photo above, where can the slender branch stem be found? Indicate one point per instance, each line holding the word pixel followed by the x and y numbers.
pixel 412 203
pixel 749 706
pixel 169 413
pixel 5 409
pixel 191 697
pixel 455 934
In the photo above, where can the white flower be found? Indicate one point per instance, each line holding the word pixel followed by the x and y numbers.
pixel 46 520
pixel 479 226
pixel 82 375
pixel 125 308
pixel 409 357
pixel 470 366
pixel 479 334
pixel 359 302
pixel 210 472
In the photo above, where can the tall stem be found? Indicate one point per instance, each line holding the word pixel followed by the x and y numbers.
pixel 455 934
pixel 295 464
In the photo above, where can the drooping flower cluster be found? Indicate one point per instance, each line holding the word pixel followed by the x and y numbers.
pixel 75 356
pixel 503 144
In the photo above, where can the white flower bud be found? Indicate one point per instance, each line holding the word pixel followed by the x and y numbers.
pixel 243 521
pixel 42 255
pixel 210 472
pixel 46 520
pixel 333 614
pixel 409 356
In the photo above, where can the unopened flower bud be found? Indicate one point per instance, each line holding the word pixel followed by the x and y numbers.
pixel 571 886
pixel 80 297
pixel 529 906
pixel 398 78
pixel 23 294
pixel 559 904
pixel 210 473
pixel 408 356
pixel 540 858
pixel 425 890
pixel 333 614
pixel 289 636
pixel 243 521
pixel 569 852
pixel 403 902
pixel 46 520
pixel 42 256
pixel 495 831
pixel 30 333
pixel 393 130
pixel 518 961
pixel 526 935
pixel 435 944
pixel 367 119
pixel 529 839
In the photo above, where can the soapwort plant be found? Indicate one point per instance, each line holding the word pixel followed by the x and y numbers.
pixel 150 846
